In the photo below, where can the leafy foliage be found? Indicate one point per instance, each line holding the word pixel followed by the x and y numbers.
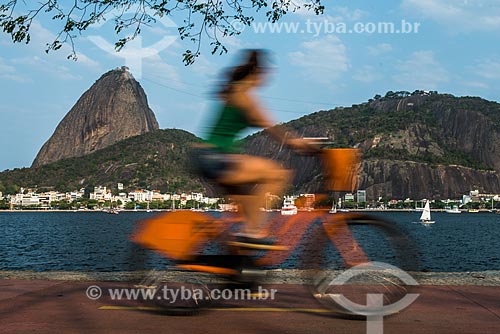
pixel 200 18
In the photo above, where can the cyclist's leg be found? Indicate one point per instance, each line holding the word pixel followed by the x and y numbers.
pixel 268 177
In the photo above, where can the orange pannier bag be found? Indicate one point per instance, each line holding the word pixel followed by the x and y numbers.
pixel 177 235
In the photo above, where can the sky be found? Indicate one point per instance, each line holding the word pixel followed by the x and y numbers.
pixel 343 57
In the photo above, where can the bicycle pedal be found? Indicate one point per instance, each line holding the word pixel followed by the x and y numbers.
pixel 249 245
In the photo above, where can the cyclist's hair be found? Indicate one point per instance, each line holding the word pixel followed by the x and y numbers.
pixel 253 64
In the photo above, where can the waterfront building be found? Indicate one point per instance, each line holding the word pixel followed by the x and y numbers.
pixel 361 196
pixel 122 197
pixel 198 197
pixel 75 195
pixel 184 198
pixel 46 198
pixel 100 194
pixel 474 195
pixel 30 199
pixel 157 196
pixel 137 196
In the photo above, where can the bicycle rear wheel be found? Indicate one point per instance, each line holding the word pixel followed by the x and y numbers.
pixel 186 288
pixel 363 266
pixel 164 288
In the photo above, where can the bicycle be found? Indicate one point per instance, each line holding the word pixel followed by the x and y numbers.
pixel 201 245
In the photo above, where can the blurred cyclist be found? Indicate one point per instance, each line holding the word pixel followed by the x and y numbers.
pixel 246 178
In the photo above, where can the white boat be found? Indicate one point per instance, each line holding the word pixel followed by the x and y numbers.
pixel 453 210
pixel 340 209
pixel 289 207
pixel 425 218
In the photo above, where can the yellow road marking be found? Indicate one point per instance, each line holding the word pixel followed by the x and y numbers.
pixel 232 309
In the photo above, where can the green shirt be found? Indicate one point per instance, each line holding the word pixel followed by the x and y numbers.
pixel 223 135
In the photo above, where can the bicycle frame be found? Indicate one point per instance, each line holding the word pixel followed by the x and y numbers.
pixel 179 235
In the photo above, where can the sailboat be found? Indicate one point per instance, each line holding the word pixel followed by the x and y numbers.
pixel 333 209
pixel 425 218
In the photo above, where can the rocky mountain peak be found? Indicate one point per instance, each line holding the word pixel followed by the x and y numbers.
pixel 114 108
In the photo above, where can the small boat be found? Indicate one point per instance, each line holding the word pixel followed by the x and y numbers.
pixel 473 211
pixel 425 218
pixel 289 207
pixel 453 210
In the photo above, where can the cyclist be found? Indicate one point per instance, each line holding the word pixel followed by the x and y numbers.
pixel 246 178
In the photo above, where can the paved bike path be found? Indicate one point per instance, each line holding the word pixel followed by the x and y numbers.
pixel 42 306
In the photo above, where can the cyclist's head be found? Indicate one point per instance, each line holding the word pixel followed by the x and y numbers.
pixel 251 70
pixel 253 64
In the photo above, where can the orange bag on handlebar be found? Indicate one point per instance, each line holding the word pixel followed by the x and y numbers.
pixel 341 167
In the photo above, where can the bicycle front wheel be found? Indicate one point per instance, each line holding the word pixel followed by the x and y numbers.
pixel 364 266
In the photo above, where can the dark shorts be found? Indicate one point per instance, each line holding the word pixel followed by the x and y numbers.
pixel 210 163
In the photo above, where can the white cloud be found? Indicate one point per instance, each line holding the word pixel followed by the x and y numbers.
pixel 4 68
pixel 40 36
pixel 367 74
pixel 380 49
pixel 54 69
pixel 160 69
pixel 15 77
pixel 322 60
pixel 458 15
pixel 9 73
pixel 421 71
pixel 54 64
pixel 232 41
pixel 205 66
pixel 343 14
pixel 476 84
pixel 488 69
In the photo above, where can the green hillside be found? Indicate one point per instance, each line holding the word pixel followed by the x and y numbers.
pixel 412 127
pixel 406 139
pixel 156 160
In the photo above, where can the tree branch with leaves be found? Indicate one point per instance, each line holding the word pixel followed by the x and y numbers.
pixel 201 19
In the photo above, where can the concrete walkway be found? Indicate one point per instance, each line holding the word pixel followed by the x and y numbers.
pixel 55 306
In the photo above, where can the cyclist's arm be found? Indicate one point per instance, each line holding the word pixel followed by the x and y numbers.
pixel 257 117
